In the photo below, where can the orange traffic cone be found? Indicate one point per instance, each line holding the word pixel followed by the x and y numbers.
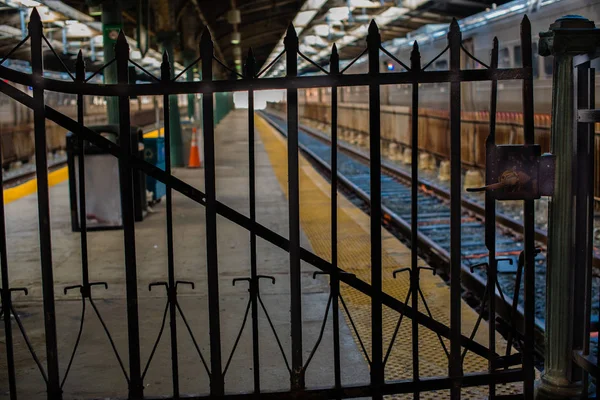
pixel 194 161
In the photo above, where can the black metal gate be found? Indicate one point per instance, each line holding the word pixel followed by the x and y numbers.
pixel 502 369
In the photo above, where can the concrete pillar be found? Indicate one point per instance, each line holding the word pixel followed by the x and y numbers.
pixel 568 36
pixel 112 22
pixel 166 40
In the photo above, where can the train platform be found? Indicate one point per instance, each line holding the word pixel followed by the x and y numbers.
pixel 95 360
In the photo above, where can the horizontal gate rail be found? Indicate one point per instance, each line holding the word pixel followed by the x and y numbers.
pixel 129 162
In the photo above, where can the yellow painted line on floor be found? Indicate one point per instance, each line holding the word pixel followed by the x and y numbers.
pixel 30 187
pixel 354 256
pixel 154 134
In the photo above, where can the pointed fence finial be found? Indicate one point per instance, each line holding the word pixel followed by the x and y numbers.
pixel 334 61
pixel 291 38
pixel 165 67
pixel 415 57
pixel 250 67
pixel 206 45
pixel 80 67
pixel 35 17
pixel 373 37
pixel 122 45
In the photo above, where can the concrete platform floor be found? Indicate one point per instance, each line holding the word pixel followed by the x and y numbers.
pixel 95 372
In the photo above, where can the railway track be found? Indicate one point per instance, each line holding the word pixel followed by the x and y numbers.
pixel 434 224
pixel 28 175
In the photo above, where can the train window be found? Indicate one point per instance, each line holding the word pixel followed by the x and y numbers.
pixel 548 65
pixel 441 65
pixel 504 58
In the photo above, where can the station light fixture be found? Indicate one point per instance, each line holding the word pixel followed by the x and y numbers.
pixel 236 38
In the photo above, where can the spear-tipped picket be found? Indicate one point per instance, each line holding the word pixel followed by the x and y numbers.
pixel 334 61
pixel 35 20
pixel 415 57
pixel 250 66
pixel 291 37
pixel 291 50
pixel 80 67
pixel 165 67
pixel 207 47
pixel 454 30
pixel 373 37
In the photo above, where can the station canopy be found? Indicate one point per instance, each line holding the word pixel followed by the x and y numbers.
pixel 235 26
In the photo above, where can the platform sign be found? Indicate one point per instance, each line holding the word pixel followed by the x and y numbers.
pixel 143 21
pixel 110 34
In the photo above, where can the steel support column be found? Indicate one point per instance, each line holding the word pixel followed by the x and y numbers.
pixel 567 37
pixel 112 22
pixel 167 40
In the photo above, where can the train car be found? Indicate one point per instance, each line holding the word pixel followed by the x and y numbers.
pixel 478 41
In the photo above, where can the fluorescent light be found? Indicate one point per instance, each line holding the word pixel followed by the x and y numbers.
pixel 29 3
pixel 135 55
pixel 389 15
pixel 313 5
pixel 78 30
pixel 314 40
pixel 336 14
pixel 303 18
pixel 364 4
pixel 322 30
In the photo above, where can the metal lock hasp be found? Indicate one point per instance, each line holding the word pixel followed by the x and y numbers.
pixel 518 172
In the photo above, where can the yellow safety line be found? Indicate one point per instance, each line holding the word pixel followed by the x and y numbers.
pixel 30 187
pixel 354 256
pixel 154 134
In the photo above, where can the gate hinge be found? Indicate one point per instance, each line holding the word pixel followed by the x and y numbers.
pixel 518 172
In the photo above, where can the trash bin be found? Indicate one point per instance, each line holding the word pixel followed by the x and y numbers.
pixel 102 186
pixel 154 153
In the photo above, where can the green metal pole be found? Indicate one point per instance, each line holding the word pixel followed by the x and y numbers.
pixel 568 36
pixel 112 22
pixel 189 58
pixel 175 122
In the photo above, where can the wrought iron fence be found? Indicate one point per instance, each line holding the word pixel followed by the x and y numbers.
pixel 502 368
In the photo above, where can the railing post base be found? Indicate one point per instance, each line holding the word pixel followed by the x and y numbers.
pixel 548 389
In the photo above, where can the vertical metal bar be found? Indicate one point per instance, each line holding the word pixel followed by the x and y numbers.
pixel 251 74
pixel 528 219
pixel 136 387
pixel 377 369
pixel 490 225
pixel 415 67
pixel 80 77
pixel 216 372
pixel 591 185
pixel 41 165
pixel 291 51
pixel 334 69
pixel 454 41
pixel 583 221
pixel 165 76
pixel 6 296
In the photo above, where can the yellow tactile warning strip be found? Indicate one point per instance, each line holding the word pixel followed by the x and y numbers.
pixel 354 256
pixel 154 134
pixel 30 187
